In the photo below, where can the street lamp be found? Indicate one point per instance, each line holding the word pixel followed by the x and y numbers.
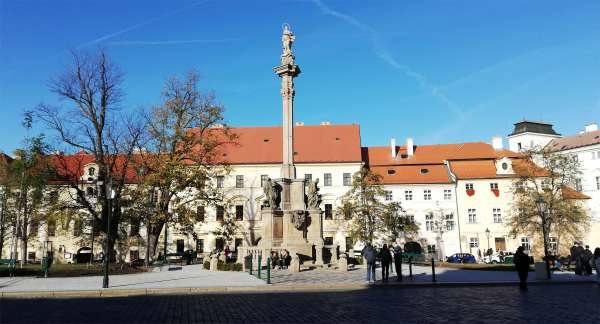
pixel 109 196
pixel 487 234
pixel 543 211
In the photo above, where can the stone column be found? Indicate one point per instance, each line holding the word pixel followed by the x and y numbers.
pixel 334 257
pixel 295 263
pixel 319 250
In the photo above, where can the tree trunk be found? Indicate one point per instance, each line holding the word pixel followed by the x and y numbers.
pixel 154 236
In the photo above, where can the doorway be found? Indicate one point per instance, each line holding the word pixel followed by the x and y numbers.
pixel 500 243
pixel 180 246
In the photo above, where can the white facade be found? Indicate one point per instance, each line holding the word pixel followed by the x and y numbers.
pixel 528 140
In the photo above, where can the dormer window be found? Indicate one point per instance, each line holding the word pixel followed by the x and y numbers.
pixel 391 171
pixel 504 166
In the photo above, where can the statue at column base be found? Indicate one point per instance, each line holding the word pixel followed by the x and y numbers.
pixel 343 262
pixel 295 263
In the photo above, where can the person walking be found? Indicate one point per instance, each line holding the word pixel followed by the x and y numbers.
pixel 398 262
pixel 521 261
pixel 386 258
pixel 597 262
pixel 370 257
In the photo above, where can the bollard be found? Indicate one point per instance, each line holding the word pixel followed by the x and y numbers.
pixel 399 271
pixel 410 267
pixel 259 265
pixel 250 261
pixel 268 270
pixel 433 270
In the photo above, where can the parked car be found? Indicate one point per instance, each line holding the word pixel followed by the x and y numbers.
pixel 461 258
pixel 500 257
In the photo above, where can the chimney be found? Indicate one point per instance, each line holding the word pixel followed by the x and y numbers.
pixel 592 127
pixel 410 150
pixel 497 142
pixel 393 147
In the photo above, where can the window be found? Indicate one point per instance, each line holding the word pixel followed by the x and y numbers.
pixel 519 146
pixel 220 213
pixel 327 181
pixel 575 158
pixel 553 245
pixel 134 229
pixel 598 183
pixel 220 244
pixel 91 172
pixel 408 194
pixel 200 213
pixel 51 228
pixel 429 226
pixel 447 194
pixel 239 212
pixel 431 248
pixel 497 215
pixel 389 196
pixel 237 243
pixel 308 177
pixel 239 181
pixel 525 243
pixel 90 192
pixel 34 228
pixel 220 181
pixel 469 186
pixel 411 218
pixel 328 240
pixel 200 246
pixel 494 186
pixel 472 215
pixel 53 196
pixel 328 211
pixel 349 243
pixel 449 222
pixel 263 179
pixel 474 242
pixel 134 255
pixel 578 185
pixel 347 179
pixel 426 194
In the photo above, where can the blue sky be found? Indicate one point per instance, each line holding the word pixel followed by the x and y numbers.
pixel 439 71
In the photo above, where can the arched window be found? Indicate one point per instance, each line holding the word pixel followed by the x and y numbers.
pixel 91 171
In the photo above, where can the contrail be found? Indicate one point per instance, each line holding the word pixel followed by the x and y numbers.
pixel 138 25
pixel 170 42
pixel 385 56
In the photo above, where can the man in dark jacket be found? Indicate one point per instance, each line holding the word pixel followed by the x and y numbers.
pixel 386 258
pixel 521 260
pixel 370 257
pixel 398 261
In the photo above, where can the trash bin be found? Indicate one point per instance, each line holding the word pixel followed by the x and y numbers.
pixel 540 271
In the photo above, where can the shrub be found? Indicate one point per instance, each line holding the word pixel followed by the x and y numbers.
pixel 207 265
pixel 222 266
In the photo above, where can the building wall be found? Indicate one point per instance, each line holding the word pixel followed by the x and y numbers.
pixel 529 141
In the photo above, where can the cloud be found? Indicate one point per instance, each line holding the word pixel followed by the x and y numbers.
pixel 171 42
pixel 138 25
pixel 381 51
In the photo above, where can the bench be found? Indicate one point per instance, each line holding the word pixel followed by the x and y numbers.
pixel 11 263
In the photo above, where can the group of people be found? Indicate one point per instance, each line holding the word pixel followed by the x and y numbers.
pixel 280 261
pixel 386 256
pixel 584 261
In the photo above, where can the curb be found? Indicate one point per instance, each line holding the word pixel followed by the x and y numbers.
pixel 266 289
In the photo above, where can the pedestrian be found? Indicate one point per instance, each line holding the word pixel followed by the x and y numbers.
pixel 370 256
pixel 386 258
pixel 587 258
pixel 597 262
pixel 576 255
pixel 398 261
pixel 521 260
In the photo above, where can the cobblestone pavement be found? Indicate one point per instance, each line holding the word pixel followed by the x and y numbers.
pixel 568 303
pixel 421 274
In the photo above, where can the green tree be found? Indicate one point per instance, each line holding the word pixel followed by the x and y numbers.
pixel 370 216
pixel 546 176
pixel 25 180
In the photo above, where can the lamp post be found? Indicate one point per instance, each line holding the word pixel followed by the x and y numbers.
pixel 109 197
pixel 543 211
pixel 487 234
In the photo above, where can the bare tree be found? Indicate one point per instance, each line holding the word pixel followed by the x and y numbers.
pixel 186 140
pixel 93 123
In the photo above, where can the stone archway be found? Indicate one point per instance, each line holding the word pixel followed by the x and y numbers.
pixel 413 248
pixel 83 255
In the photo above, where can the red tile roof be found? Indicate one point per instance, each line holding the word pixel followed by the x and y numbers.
pixel 570 193
pixel 434 154
pixel 575 141
pixel 408 174
pixel 474 169
pixel 312 144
